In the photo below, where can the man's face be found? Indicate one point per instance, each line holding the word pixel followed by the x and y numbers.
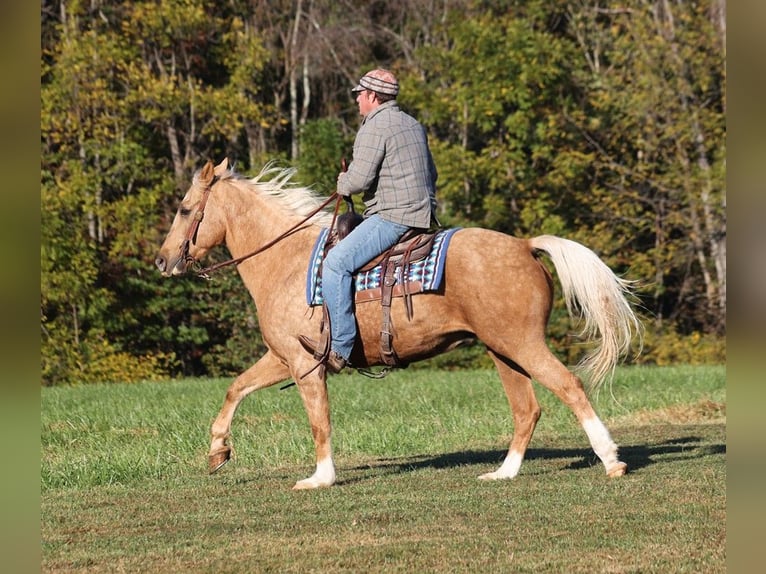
pixel 367 102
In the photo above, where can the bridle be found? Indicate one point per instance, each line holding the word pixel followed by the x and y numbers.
pixel 191 234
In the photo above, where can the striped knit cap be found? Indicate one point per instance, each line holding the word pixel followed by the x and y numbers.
pixel 381 81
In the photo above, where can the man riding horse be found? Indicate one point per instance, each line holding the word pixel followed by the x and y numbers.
pixel 393 167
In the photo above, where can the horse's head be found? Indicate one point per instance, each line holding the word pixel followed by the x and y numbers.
pixel 194 230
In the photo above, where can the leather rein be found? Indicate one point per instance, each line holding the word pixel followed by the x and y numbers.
pixel 191 234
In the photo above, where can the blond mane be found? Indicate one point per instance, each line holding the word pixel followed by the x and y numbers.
pixel 275 183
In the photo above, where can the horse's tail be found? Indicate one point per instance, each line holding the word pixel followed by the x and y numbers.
pixel 593 293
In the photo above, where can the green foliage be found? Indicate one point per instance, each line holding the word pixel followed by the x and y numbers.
pixel 102 363
pixel 489 96
pixel 670 348
pixel 105 193
pixel 236 343
pixel 322 149
pixel 654 96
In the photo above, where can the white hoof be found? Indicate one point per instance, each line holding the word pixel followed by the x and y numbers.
pixel 322 478
pixel 617 469
pixel 508 469
pixel 311 483
pixel 492 476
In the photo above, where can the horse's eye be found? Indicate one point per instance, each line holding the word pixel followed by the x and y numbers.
pixel 184 211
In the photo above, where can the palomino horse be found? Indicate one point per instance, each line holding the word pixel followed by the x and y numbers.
pixel 495 289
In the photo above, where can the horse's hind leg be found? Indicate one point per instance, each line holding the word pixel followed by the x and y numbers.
pixel 549 372
pixel 266 372
pixel 525 410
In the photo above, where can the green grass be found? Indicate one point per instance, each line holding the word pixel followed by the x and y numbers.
pixel 125 487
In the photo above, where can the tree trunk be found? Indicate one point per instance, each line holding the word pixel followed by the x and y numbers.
pixel 293 74
pixel 175 154
pixel 706 232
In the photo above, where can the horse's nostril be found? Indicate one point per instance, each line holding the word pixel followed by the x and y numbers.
pixel 160 263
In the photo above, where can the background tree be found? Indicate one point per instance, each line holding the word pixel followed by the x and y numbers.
pixel 654 120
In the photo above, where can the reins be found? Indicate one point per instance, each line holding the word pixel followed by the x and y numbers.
pixel 191 235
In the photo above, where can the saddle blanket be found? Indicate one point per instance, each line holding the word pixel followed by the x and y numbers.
pixel 423 275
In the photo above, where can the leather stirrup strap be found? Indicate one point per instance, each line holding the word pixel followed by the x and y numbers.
pixel 387 353
pixel 406 260
pixel 323 348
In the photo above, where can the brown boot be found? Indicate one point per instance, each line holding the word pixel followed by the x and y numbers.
pixel 335 363
pixel 332 360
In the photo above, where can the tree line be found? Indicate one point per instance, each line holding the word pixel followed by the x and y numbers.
pixel 601 123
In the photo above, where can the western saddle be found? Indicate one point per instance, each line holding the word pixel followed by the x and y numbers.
pixel 414 245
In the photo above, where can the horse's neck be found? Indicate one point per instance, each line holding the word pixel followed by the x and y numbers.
pixel 250 225
pixel 253 223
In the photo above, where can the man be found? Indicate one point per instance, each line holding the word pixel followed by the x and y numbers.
pixel 393 168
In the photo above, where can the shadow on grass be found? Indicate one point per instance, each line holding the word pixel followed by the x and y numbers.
pixel 636 457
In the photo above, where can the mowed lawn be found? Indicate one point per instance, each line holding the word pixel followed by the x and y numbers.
pixel 125 486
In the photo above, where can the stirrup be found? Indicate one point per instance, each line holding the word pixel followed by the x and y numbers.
pixel 319 352
pixel 327 358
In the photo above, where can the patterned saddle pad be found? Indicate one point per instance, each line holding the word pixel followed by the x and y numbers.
pixel 423 275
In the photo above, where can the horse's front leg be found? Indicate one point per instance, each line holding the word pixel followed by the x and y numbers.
pixel 268 371
pixel 313 390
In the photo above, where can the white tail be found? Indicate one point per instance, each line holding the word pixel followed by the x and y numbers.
pixel 593 293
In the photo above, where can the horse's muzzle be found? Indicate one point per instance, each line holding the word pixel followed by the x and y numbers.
pixel 177 267
pixel 162 264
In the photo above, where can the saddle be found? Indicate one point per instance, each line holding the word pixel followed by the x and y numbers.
pixel 413 246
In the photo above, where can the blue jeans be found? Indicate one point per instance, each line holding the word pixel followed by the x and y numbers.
pixel 368 240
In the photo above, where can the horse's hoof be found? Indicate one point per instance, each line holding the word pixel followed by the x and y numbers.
pixel 309 484
pixel 215 460
pixel 315 481
pixel 619 469
pixel 496 475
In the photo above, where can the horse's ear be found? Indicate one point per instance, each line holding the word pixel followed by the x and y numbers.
pixel 221 168
pixel 206 173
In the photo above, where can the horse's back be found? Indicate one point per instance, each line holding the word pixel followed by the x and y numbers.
pixel 493 288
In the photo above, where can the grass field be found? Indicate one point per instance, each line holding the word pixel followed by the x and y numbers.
pixel 124 486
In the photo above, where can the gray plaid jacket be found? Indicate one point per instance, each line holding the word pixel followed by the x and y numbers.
pixel 393 167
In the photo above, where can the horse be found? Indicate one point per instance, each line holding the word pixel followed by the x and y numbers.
pixel 495 289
